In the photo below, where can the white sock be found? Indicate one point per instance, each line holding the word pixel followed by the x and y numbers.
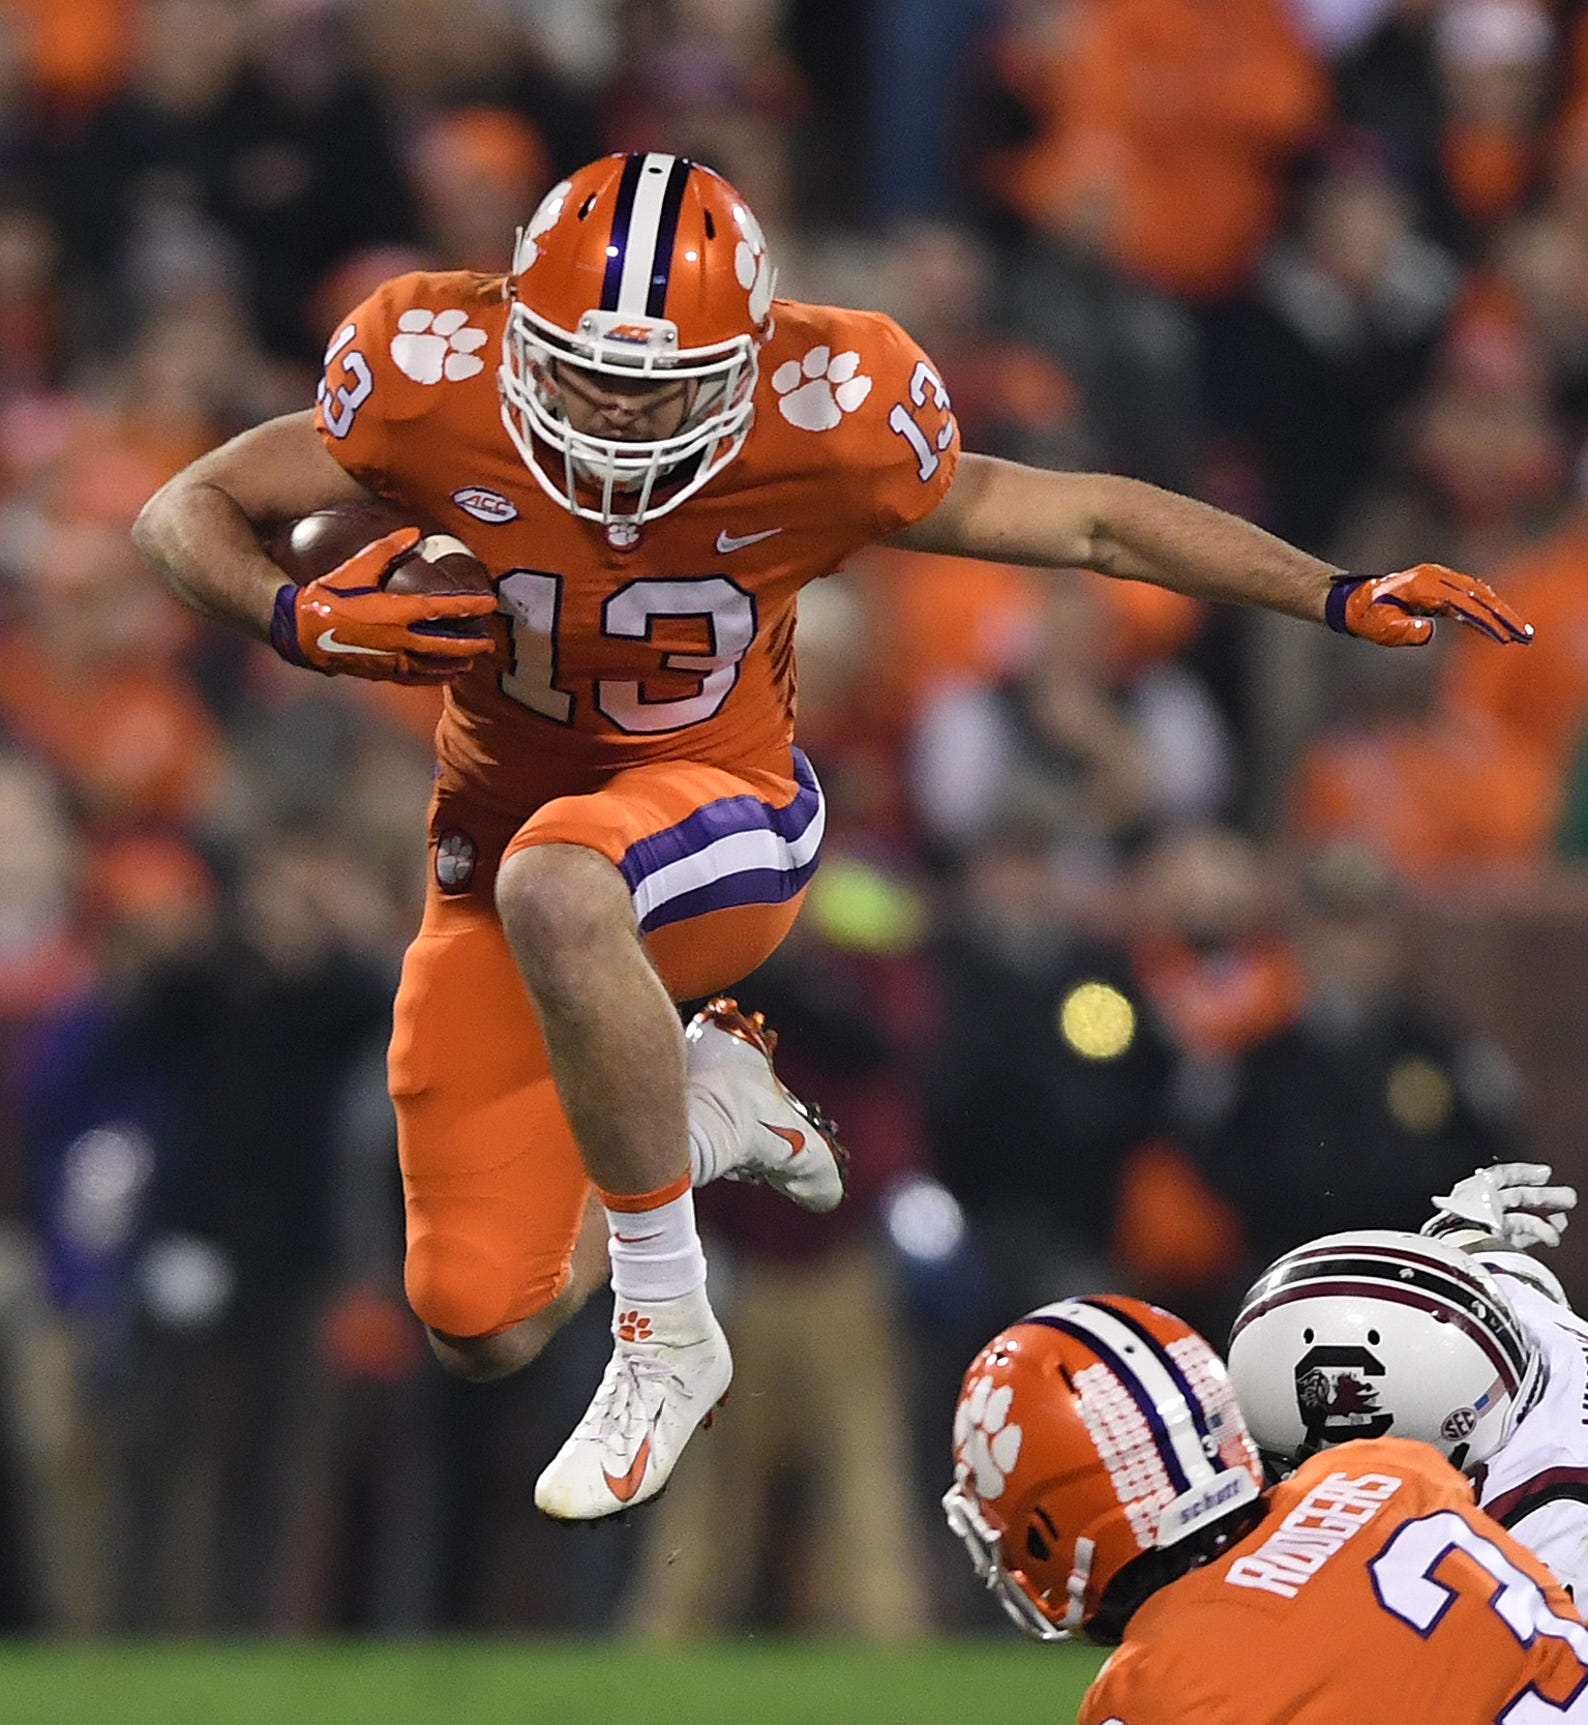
pixel 656 1254
pixel 714 1135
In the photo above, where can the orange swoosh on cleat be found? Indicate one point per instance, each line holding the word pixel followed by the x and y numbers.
pixel 625 1487
pixel 794 1140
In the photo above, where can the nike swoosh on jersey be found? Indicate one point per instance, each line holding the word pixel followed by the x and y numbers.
pixel 794 1140
pixel 727 542
pixel 624 1486
pixel 328 643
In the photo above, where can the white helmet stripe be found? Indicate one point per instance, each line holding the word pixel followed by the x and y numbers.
pixel 645 225
pixel 1405 1276
pixel 1137 1365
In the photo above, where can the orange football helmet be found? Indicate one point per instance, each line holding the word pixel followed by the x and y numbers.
pixel 1088 1433
pixel 637 265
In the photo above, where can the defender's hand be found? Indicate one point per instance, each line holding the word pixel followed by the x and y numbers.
pixel 1396 610
pixel 1509 1201
pixel 343 624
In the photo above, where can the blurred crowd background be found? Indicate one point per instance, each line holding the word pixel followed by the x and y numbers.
pixel 1150 940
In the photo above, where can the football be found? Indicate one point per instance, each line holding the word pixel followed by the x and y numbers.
pixel 316 544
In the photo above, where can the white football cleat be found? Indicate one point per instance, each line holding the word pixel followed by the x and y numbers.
pixel 781 1142
pixel 670 1368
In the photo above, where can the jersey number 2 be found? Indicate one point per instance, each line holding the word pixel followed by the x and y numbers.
pixel 534 601
pixel 1404 1581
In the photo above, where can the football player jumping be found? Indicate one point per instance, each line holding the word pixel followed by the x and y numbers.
pixel 1106 1486
pixel 663 457
pixel 1453 1336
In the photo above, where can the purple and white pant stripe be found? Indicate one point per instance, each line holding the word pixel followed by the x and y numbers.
pixel 737 850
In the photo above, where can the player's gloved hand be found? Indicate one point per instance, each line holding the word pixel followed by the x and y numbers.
pixel 1510 1201
pixel 1397 610
pixel 343 624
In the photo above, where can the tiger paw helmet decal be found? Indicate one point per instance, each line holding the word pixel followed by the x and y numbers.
pixel 983 1438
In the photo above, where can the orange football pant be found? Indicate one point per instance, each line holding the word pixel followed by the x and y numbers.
pixel 494 1188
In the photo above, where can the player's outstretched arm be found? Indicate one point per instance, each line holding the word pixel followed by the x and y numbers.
pixel 1009 513
pixel 202 532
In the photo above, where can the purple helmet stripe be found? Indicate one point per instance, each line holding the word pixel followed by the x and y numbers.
pixel 1193 1401
pixel 1123 1371
pixel 666 233
pixel 618 244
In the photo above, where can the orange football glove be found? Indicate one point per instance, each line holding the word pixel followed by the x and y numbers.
pixel 343 624
pixel 1397 610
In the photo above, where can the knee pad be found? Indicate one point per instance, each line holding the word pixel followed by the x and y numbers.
pixel 461 1291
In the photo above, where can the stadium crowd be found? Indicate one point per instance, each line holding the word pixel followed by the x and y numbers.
pixel 1150 941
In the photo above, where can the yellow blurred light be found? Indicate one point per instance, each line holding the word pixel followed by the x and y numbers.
pixel 1097 1021
pixel 864 908
pixel 1419 1095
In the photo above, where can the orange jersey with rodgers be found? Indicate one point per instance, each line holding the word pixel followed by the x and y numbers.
pixel 679 647
pixel 1372 1593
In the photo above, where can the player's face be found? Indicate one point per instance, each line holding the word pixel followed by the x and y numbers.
pixel 638 412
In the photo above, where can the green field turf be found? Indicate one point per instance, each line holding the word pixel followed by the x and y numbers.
pixel 746 1682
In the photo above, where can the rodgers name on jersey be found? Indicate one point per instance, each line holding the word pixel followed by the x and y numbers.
pixel 620 645
pixel 1373 1547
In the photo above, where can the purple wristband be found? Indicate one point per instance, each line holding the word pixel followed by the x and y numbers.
pixel 1341 588
pixel 284 625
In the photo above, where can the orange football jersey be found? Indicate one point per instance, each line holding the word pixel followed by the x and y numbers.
pixel 1372 1593
pixel 677 645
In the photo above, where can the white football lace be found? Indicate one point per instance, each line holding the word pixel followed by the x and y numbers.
pixel 620 1401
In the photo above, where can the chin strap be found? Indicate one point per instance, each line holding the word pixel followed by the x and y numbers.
pixel 1075 1587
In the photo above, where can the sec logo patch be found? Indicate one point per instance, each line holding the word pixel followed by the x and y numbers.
pixel 456 855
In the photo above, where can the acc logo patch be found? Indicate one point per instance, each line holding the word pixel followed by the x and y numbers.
pixel 456 855
pixel 1336 1398
pixel 484 504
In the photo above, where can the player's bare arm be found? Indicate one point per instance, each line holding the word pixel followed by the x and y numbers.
pixel 202 531
pixel 205 532
pixel 1125 528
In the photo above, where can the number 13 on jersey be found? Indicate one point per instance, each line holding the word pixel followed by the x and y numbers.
pixel 534 601
pixel 906 420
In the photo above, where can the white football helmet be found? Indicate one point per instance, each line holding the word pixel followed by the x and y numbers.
pixel 1378 1333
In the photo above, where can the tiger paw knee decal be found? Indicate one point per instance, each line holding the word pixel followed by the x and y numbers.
pixel 816 392
pixel 455 859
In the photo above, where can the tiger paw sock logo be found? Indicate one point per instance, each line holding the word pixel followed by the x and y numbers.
pixel 633 1327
